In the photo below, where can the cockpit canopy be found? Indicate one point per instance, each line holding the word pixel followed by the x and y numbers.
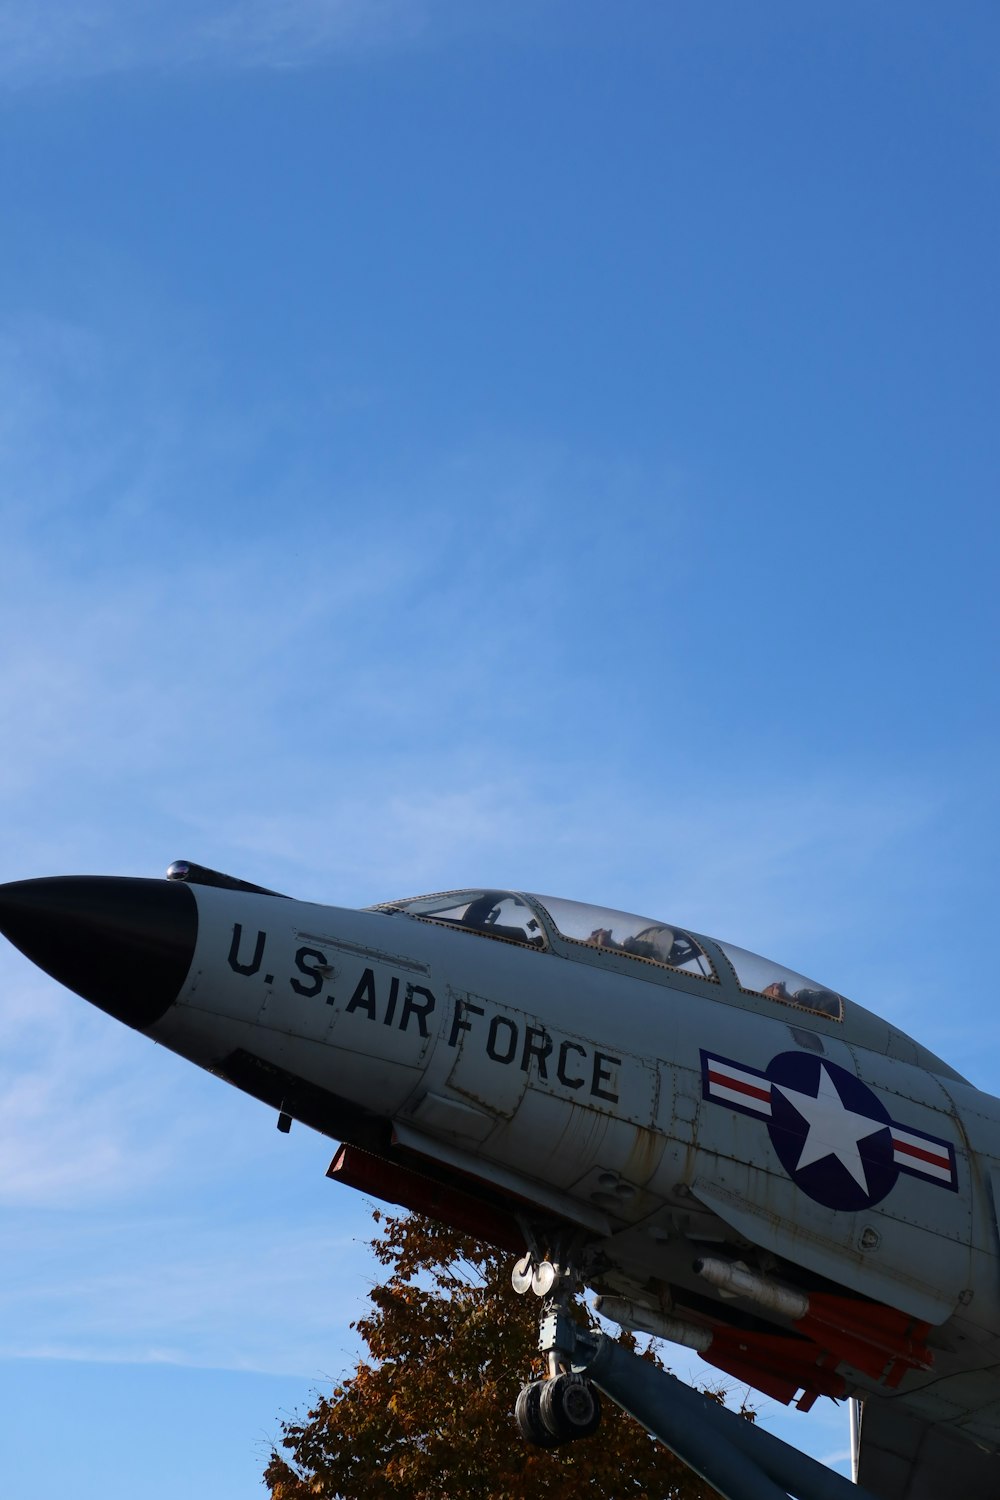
pixel 618 931
pixel 496 914
pixel 517 918
pixel 762 976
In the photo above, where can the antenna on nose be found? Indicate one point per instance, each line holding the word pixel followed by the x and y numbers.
pixel 192 874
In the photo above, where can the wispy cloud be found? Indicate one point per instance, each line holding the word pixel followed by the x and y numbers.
pixel 42 40
pixel 237 1294
pixel 275 34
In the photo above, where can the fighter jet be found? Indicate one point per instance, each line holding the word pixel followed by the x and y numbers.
pixel 731 1156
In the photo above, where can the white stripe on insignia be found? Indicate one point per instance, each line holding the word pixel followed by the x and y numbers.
pixel 916 1152
pixel 734 1086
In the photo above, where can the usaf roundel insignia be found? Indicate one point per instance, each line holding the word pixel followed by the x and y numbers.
pixel 832 1134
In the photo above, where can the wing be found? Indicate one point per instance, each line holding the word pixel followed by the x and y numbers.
pixel 903 1458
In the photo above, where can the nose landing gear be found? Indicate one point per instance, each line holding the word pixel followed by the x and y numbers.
pixel 570 1407
pixel 563 1406
pixel 561 1409
pixel 528 1416
pixel 739 1460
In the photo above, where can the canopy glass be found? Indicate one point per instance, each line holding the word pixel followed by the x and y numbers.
pixel 639 937
pixel 512 917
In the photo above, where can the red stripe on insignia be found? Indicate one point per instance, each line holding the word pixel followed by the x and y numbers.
pixel 740 1087
pixel 935 1157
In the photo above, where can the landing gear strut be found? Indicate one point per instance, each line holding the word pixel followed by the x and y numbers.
pixel 737 1458
pixel 563 1406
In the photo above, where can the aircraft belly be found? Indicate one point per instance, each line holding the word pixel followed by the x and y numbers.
pixel 904 1457
pixel 211 1039
pixel 907 1268
pixel 355 1079
pixel 203 1036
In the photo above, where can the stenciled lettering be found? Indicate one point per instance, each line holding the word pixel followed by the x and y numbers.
pixel 492 1039
pixel 390 1009
pixel 364 996
pixel 234 952
pixel 537 1043
pixel 565 1078
pixel 458 1021
pixel 315 974
pixel 413 1007
pixel 573 1064
pixel 418 1002
pixel 602 1075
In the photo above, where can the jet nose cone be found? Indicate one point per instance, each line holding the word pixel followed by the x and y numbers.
pixel 126 945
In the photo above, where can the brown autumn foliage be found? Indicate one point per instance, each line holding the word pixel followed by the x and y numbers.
pixel 430 1413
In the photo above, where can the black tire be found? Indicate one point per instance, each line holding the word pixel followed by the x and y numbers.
pixel 569 1407
pixel 528 1418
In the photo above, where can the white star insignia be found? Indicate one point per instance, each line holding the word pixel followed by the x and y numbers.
pixel 834 1130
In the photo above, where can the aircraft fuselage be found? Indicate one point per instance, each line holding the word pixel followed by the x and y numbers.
pixel 642 1101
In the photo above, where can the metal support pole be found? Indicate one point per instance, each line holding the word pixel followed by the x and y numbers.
pixel 733 1455
pixel 855 1409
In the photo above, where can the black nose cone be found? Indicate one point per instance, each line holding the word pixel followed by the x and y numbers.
pixel 126 945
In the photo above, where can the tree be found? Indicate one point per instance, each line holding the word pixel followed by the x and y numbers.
pixel 431 1412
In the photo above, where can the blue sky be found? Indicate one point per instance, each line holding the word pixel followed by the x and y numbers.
pixel 550 444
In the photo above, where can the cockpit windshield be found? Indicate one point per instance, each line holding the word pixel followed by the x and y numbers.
pixel 640 937
pixel 762 976
pixel 497 914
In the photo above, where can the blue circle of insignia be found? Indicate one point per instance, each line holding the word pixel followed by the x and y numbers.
pixel 832 1135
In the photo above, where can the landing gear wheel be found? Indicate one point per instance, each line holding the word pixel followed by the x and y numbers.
pixel 529 1420
pixel 569 1407
pixel 520 1277
pixel 543 1278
